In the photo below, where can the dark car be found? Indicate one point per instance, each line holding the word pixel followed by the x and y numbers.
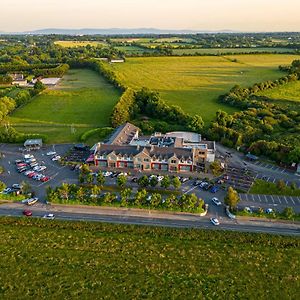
pixel 27 213
pixel 134 179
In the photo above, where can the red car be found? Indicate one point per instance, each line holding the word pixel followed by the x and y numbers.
pixel 21 165
pixel 45 179
pixel 30 175
pixel 27 213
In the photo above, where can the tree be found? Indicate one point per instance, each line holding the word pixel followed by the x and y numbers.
pixel 170 201
pixel 156 200
pixel 176 182
pixel 280 184
pixel 39 86
pixel 95 191
pixel 216 168
pixel 2 186
pixel 64 191
pixel 166 182
pixel 2 169
pixel 26 188
pixel 143 181
pixel 100 179
pixel 125 196
pixel 140 197
pixel 153 181
pixel 85 170
pixel 81 178
pixel 121 180
pixel 232 198
pixel 89 178
pixel 289 213
pixel 80 194
pixel 196 124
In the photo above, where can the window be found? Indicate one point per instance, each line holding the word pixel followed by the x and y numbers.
pixel 173 161
pixel 146 159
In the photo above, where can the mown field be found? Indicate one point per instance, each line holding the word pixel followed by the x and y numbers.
pixel 71 44
pixel 83 100
pixel 42 259
pixel 194 83
pixel 220 51
pixel 288 92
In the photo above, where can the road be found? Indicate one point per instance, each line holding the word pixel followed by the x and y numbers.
pixel 149 218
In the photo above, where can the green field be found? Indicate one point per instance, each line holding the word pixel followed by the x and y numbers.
pixel 42 259
pixel 71 44
pixel 83 100
pixel 133 49
pixel 220 51
pixel 287 92
pixel 194 83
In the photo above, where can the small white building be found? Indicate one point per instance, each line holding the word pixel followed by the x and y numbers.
pixel 121 60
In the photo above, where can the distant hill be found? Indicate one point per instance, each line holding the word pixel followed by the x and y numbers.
pixel 114 31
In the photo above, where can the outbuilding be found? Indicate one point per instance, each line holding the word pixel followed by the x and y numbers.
pixel 35 144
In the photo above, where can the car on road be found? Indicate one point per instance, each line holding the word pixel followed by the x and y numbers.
pixel 197 182
pixel 215 221
pixel 27 213
pixel 16 186
pixel 184 179
pixel 51 153
pixel 216 201
pixel 49 217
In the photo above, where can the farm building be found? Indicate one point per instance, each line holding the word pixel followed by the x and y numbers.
pixel 33 144
pixel 18 79
pixel 121 60
pixel 48 81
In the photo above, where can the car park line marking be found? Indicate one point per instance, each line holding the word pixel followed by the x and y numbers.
pixel 259 198
pixel 274 180
pixel 282 171
pixel 272 199
pixel 266 198
pixel 285 199
pixel 191 189
pixel 292 200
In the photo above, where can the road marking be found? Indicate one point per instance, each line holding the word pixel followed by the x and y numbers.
pixel 272 199
pixel 279 199
pixel 266 199
pixel 259 198
pixel 292 200
pixel 194 187
pixel 282 171
pixel 268 179
pixel 285 199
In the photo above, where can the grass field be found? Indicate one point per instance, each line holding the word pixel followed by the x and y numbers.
pixel 133 49
pixel 220 51
pixel 287 92
pixel 71 44
pixel 42 259
pixel 83 100
pixel 194 83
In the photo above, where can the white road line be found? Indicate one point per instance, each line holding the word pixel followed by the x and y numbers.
pixel 279 199
pixel 292 200
pixel 259 198
pixel 272 199
pixel 285 199
pixel 194 187
pixel 253 198
pixel 246 197
pixel 266 199
pixel 274 180
pixel 282 171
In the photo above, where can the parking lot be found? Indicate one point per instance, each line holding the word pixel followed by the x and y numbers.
pixel 272 167
pixel 270 200
pixel 274 180
pixel 56 173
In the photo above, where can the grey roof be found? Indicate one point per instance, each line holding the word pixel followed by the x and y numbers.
pixel 158 152
pixel 123 134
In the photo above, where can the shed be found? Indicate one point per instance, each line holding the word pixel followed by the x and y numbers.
pixel 33 144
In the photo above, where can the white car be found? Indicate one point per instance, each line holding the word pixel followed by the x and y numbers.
pixel 122 174
pixel 25 201
pixel 216 201
pixel 107 174
pixel 160 178
pixel 42 168
pixel 55 158
pixel 28 156
pixel 7 191
pixel 49 216
pixel 32 201
pixel 215 221
pixel 51 153
pixel 269 210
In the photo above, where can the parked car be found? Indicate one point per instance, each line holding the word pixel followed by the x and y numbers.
pixel 248 210
pixel 25 201
pixel 107 174
pixel 56 158
pixel 30 175
pixel 216 201
pixel 214 189
pixel 184 179
pixel 215 221
pixel 49 216
pixel 18 161
pixel 160 178
pixel 51 153
pixel 45 179
pixel 134 179
pixel 269 211
pixel 32 201
pixel 197 182
pixel 16 186
pixel 27 213
pixel 7 191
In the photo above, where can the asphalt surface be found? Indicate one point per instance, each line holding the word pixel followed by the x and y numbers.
pixel 146 218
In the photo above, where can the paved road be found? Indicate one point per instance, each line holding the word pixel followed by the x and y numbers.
pixel 156 219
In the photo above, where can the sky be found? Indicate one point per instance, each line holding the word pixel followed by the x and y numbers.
pixel 241 15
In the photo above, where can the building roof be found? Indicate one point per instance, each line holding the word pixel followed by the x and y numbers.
pixel 188 137
pixel 159 152
pixel 123 135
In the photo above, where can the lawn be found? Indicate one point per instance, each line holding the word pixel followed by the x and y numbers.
pixel 83 100
pixel 194 83
pixel 42 259
pixel 71 44
pixel 287 92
